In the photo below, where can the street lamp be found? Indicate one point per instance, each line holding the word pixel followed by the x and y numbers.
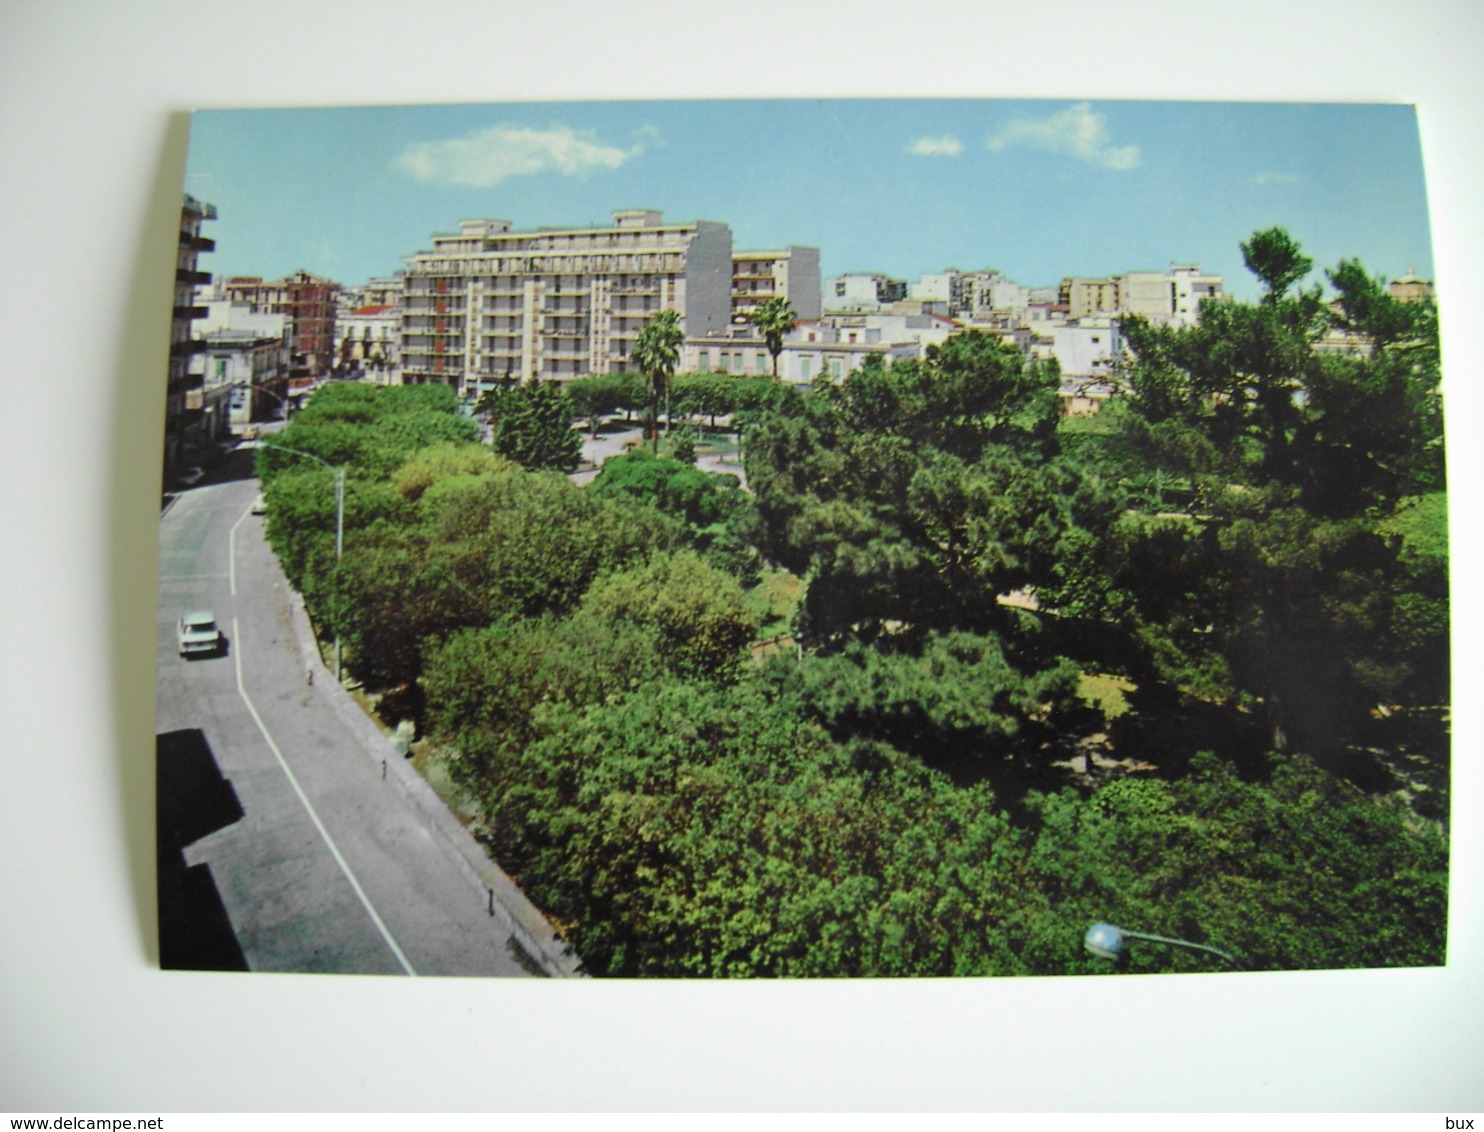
pixel 1107 942
pixel 339 515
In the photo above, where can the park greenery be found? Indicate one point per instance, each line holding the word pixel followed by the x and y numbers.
pixel 954 677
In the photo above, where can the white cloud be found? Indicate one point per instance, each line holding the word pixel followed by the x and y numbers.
pixel 1270 178
pixel 1075 132
pixel 490 156
pixel 945 146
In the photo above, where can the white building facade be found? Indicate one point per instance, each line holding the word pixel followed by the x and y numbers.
pixel 862 292
pixel 246 349
pixel 812 352
pixel 1087 350
pixel 370 344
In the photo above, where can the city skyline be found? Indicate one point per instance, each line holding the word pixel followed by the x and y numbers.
pixel 1039 190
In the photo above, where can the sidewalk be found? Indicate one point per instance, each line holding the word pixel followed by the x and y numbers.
pixel 506 901
pixel 597 449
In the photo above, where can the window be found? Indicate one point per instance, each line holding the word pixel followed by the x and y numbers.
pixel 835 368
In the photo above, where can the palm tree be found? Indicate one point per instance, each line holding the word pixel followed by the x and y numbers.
pixel 774 318
pixel 657 354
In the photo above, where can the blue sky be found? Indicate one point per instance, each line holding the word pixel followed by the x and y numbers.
pixel 1037 189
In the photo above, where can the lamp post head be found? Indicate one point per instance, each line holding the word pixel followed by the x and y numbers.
pixel 1105 941
pixel 1109 942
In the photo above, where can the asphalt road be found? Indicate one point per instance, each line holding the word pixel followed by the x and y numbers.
pixel 319 864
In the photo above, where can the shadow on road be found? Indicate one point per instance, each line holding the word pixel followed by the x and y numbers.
pixel 192 799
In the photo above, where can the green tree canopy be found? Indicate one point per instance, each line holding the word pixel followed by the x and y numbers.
pixel 916 492
pixel 1279 571
pixel 532 425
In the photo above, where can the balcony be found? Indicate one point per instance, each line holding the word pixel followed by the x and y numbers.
pixel 187 348
pixel 197 243
pixel 189 314
pixel 192 278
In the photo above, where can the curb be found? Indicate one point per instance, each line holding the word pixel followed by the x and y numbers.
pixel 507 903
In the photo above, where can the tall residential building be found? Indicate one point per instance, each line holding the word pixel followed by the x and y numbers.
pixel 184 401
pixel 308 302
pixel 488 303
pixel 791 274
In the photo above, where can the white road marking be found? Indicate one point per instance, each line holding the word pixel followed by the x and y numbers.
pixel 232 550
pixel 314 817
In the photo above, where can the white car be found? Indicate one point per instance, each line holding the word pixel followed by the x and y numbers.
pixel 196 634
pixel 259 506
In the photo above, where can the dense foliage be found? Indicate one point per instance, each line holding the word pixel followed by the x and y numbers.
pixel 1273 569
pixel 1245 555
pixel 532 425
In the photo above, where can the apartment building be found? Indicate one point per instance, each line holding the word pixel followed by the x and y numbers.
pixel 1087 350
pixel 370 344
pixel 381 291
pixel 489 302
pixel 308 303
pixel 1086 298
pixel 791 274
pixel 937 287
pixel 184 399
pixel 243 367
pixel 1192 287
pixel 1149 294
pixel 860 292
pixel 1167 298
pixel 243 378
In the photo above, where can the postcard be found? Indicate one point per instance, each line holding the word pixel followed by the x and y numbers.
pixel 803 539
